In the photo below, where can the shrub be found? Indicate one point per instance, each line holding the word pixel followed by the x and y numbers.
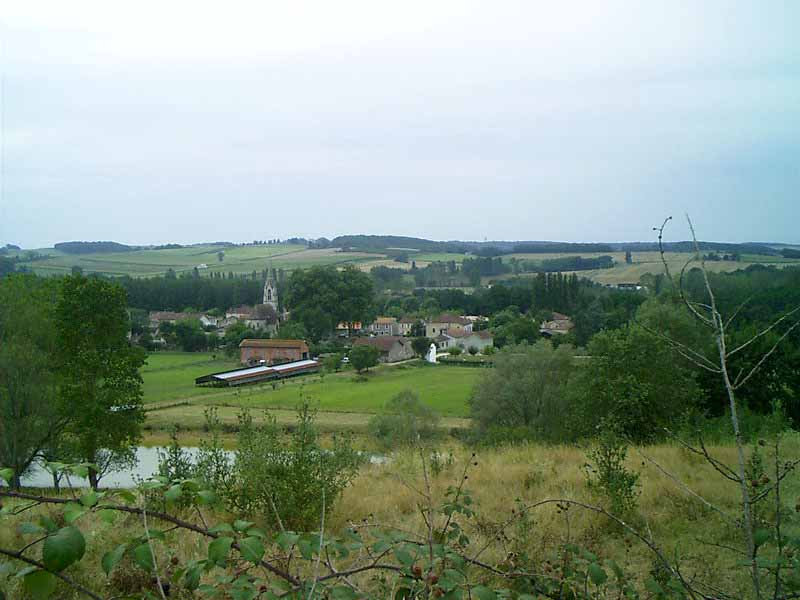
pixel 286 483
pixel 488 351
pixel 407 421
pixel 607 475
pixel 473 350
pixel 454 351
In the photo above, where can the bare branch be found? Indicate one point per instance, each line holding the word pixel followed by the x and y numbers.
pixel 688 353
pixel 737 384
pixel 764 331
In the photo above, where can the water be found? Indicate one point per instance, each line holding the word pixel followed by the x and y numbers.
pixel 146 467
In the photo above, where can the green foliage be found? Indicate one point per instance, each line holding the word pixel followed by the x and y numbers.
pixel 333 363
pixel 322 297
pixel 607 475
pixel 421 345
pixel 633 383
pixel 526 390
pixel 30 413
pixel 288 483
pixel 363 357
pixel 100 380
pixel 406 421
pixel 454 351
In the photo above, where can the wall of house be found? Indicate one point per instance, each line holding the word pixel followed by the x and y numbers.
pixel 272 355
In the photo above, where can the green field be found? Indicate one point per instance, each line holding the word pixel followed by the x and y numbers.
pixel 238 259
pixel 343 400
pixel 169 376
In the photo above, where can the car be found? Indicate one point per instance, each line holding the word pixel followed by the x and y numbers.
pixel 346 359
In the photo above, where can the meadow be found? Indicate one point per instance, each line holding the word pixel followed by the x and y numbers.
pixel 344 401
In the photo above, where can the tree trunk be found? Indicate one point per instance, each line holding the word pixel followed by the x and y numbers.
pixel 93 479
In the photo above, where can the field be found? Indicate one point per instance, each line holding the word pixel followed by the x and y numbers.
pixel 502 480
pixel 647 262
pixel 344 401
pixel 246 259
pixel 238 259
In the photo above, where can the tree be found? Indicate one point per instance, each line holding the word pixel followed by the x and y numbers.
pixel 628 257
pixel 632 384
pixel 363 357
pixel 221 255
pixel 525 390
pixel 417 329
pixel 333 362
pixel 101 384
pixel 406 421
pixel 421 345
pixel 321 297
pixel 30 415
pixel 190 335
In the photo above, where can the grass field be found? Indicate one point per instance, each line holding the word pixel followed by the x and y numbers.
pixel 343 400
pixel 169 376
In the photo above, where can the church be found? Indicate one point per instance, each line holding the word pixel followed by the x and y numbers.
pixel 271 294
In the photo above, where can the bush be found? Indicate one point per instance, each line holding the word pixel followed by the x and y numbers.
pixel 607 475
pixel 407 421
pixel 473 350
pixel 488 351
pixel 454 351
pixel 284 483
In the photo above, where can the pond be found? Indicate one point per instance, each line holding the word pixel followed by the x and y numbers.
pixel 146 467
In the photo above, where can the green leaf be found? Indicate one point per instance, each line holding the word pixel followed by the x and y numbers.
pixel 652 586
pixel 597 574
pixel 108 516
pixel 243 593
pixel 173 494
pixel 7 475
pixel 403 557
pixel 252 550
pixel 342 592
pixel 403 593
pixel 48 524
pixel 63 548
pixel 143 557
pixel 761 536
pixel 28 528
pixel 39 584
pixel 255 532
pixel 219 548
pixel 90 499
pixel 206 497
pixel 287 540
pixel 112 557
pixel 483 593
pixel 73 511
pixel 306 549
pixel 127 495
pixel 240 525
pixel 221 528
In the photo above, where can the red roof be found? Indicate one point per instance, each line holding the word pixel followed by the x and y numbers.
pixel 447 318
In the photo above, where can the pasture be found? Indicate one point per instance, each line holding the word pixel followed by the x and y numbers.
pixel 169 376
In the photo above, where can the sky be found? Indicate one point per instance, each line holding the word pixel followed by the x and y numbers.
pixel 156 122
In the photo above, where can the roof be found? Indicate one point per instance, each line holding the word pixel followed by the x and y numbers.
pixel 165 315
pixel 241 310
pixel 250 343
pixel 385 320
pixel 447 318
pixel 408 320
pixel 560 317
pixel 383 343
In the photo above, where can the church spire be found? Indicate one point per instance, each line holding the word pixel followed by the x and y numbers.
pixel 271 290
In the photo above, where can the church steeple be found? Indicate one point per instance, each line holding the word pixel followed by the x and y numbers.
pixel 271 290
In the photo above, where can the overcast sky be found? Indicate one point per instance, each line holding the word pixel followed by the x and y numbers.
pixel 581 121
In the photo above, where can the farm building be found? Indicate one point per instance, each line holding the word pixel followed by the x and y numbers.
pixel 272 351
pixel 258 374
pixel 392 347
pixel 558 325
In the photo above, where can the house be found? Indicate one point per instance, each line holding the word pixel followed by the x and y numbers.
pixel 392 347
pixel 558 325
pixel 383 326
pixel 476 339
pixel 447 323
pixel 345 329
pixel 272 351
pixel 241 312
pixel 404 325
pixel 209 321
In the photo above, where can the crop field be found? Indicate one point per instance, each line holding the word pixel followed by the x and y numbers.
pixel 237 259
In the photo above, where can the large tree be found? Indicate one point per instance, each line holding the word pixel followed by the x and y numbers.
pixel 322 297
pixel 101 384
pixel 525 390
pixel 30 416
